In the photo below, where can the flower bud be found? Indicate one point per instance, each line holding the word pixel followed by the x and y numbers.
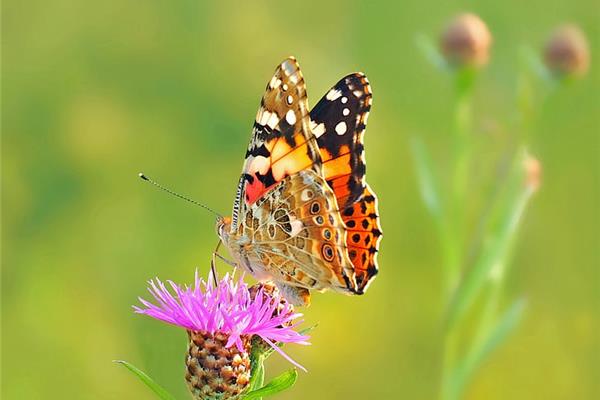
pixel 533 172
pixel 215 371
pixel 466 41
pixel 567 52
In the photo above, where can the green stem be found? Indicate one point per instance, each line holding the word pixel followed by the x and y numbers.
pixel 524 100
pixel 454 228
pixel 448 391
pixel 462 149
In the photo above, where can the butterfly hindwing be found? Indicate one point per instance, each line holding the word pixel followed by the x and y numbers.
pixel 299 235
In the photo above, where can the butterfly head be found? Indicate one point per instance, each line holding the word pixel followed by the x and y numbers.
pixel 223 226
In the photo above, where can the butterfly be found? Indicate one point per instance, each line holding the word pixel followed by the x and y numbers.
pixel 303 215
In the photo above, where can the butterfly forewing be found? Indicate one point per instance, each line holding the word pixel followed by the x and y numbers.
pixel 338 122
pixel 281 142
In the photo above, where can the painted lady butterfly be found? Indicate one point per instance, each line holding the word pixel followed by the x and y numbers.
pixel 303 216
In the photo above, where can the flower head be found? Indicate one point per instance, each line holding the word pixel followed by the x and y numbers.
pixel 466 41
pixel 227 308
pixel 223 320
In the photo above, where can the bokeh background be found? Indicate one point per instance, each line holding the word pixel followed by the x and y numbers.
pixel 94 92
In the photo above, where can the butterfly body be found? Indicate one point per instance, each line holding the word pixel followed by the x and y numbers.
pixel 303 216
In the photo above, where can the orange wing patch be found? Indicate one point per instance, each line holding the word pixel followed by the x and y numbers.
pixel 281 143
pixel 364 235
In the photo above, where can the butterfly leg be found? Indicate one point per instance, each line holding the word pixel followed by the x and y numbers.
pixel 213 267
pixel 225 260
pixel 296 296
pixel 213 262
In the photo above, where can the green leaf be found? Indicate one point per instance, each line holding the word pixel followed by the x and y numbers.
pixel 278 384
pixel 431 52
pixel 482 348
pixel 155 387
pixel 427 183
pixel 535 64
pixel 505 325
pixel 307 330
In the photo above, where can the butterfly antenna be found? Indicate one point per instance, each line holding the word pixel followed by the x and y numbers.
pixel 144 177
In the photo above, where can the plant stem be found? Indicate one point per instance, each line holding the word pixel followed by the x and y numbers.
pixel 450 354
pixel 461 161
pixel 454 231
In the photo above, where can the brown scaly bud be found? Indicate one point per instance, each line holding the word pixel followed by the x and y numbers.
pixel 215 371
pixel 466 41
pixel 567 52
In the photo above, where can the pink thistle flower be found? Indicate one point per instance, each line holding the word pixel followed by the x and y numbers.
pixel 226 309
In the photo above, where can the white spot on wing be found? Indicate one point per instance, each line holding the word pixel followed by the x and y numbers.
pixel 333 94
pixel 294 78
pixel 341 128
pixel 258 164
pixel 264 117
pixel 344 100
pixel 274 83
pixel 346 111
pixel 317 130
pixel 290 100
pixel 297 227
pixel 290 117
pixel 273 121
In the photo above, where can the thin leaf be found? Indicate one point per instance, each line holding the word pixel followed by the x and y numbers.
pixel 431 52
pixel 278 384
pixel 496 246
pixel 155 387
pixel 427 183
pixel 307 330
pixel 536 65
pixel 505 325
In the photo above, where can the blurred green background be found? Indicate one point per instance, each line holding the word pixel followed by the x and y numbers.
pixel 94 92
